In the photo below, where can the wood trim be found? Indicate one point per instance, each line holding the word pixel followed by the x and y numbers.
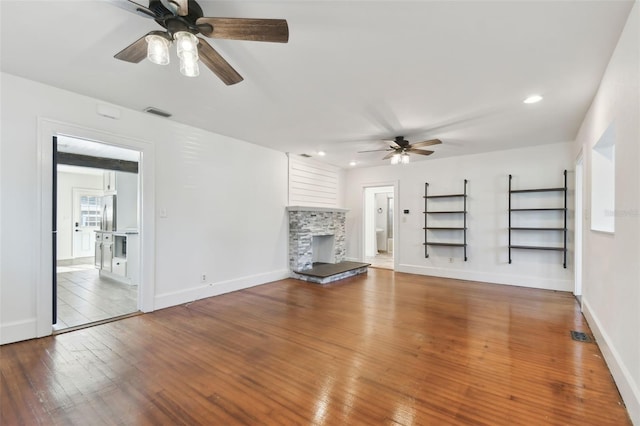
pixel 71 159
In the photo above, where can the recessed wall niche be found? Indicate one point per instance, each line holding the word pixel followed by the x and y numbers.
pixel 603 182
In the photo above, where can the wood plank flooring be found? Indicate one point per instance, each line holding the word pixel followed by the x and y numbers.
pixel 84 297
pixel 382 348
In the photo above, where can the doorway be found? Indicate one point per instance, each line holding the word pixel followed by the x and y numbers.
pixel 379 226
pixel 96 275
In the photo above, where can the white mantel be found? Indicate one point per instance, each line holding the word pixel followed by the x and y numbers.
pixel 315 209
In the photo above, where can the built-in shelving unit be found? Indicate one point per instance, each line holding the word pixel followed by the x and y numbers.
pixel 461 213
pixel 563 228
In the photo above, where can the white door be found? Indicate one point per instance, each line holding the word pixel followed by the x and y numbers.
pixel 87 213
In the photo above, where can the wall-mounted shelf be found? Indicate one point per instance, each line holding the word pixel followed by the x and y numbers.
pixel 430 229
pixel 562 229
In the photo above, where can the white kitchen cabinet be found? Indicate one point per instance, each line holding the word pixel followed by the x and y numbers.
pixel 104 251
pixel 109 182
pixel 126 201
pixel 119 266
pixel 117 256
pixel 124 186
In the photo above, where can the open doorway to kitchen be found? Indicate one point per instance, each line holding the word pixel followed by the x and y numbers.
pixel 96 232
pixel 379 219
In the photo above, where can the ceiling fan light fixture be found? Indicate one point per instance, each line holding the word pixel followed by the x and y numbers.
pixel 395 159
pixel 404 158
pixel 187 44
pixel 157 49
pixel 189 65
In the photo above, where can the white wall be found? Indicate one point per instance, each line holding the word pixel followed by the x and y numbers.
pixel 313 183
pixel 611 271
pixel 66 183
pixel 224 201
pixel 487 220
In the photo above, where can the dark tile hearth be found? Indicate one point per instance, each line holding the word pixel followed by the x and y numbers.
pixel 324 273
pixel 324 270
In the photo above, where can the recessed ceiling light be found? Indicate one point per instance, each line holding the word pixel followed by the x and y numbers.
pixel 322 153
pixel 533 99
pixel 352 163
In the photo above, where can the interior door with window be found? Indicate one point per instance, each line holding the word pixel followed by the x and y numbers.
pixel 87 214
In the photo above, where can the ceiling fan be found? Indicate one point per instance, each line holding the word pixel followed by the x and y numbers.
pixel 182 20
pixel 400 149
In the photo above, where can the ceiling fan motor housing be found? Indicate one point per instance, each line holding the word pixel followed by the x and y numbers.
pixel 174 23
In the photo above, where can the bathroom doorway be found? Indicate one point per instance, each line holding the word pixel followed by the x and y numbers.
pixel 379 219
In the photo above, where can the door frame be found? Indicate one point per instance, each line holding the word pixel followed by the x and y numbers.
pixel 47 129
pixel 75 194
pixel 578 224
pixel 396 235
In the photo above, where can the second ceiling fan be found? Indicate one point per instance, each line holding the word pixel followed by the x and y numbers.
pixel 400 149
pixel 182 20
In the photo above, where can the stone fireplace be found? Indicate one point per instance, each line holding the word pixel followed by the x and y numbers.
pixel 316 234
pixel 317 245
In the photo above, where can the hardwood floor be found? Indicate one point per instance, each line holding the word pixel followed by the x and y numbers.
pixel 383 348
pixel 84 297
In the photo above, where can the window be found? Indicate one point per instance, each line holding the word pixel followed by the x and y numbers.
pixel 603 182
pixel 90 210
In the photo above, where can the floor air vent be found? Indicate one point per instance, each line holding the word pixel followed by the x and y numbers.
pixel 581 337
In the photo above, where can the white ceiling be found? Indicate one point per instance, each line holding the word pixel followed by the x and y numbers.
pixel 353 72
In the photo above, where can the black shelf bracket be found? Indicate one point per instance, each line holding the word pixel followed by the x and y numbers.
pixel 510 178
pixel 426 195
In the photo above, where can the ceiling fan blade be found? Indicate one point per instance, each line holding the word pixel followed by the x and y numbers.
pixel 273 30
pixel 132 6
pixel 216 63
pixel 419 151
pixel 389 155
pixel 426 143
pixel 135 52
pixel 375 150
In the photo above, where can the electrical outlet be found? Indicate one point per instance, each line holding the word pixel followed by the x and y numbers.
pixel 451 260
pixel 203 277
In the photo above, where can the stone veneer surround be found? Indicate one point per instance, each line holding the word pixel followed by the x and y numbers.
pixel 306 222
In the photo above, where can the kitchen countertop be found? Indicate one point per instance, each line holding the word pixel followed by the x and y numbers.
pixel 123 232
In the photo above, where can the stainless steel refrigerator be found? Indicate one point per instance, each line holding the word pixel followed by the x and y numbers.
pixel 108 213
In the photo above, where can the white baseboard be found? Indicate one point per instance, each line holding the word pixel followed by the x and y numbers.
pixel 629 389
pixel 516 280
pixel 214 289
pixel 18 330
